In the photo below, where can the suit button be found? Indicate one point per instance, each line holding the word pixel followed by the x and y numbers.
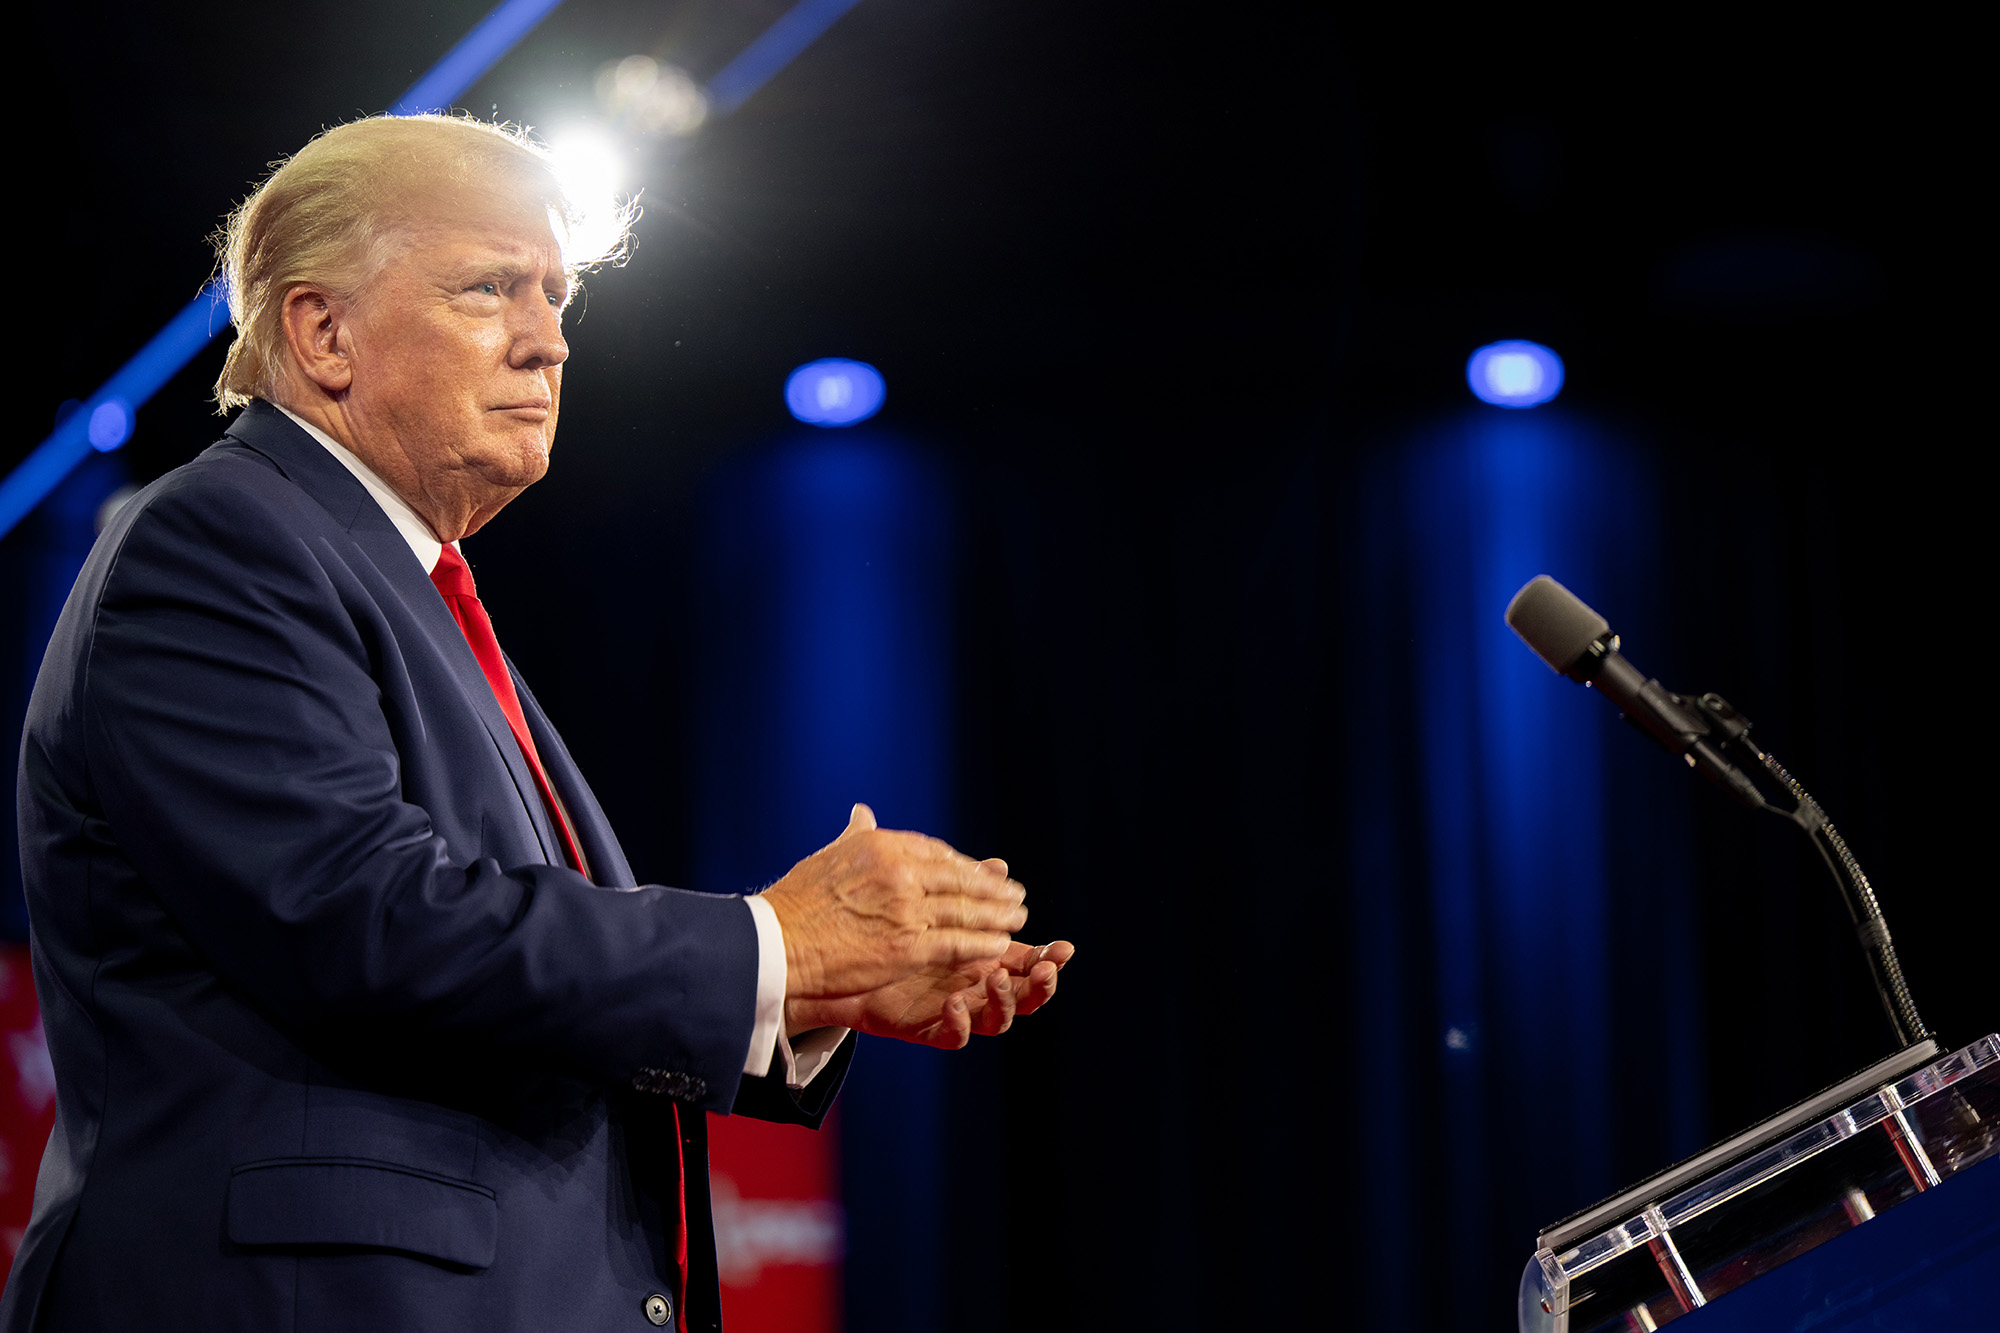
pixel 658 1310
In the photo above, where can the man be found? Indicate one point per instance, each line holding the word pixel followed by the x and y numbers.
pixel 357 1016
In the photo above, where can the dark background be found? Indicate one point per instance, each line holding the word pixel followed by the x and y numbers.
pixel 1160 286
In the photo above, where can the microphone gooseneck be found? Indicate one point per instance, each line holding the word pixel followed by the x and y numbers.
pixel 1577 642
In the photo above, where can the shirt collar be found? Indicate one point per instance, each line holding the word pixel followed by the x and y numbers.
pixel 423 542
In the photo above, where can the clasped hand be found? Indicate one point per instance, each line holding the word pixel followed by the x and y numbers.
pixel 899 935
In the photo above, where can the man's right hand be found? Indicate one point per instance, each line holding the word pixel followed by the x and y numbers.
pixel 875 905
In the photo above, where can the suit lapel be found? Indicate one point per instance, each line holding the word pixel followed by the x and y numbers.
pixel 307 464
pixel 393 558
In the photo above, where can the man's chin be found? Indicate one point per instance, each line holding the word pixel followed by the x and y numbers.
pixel 519 458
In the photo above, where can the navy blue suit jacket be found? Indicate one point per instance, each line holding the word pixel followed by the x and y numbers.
pixel 340 1042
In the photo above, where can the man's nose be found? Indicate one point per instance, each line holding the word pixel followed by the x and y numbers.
pixel 538 340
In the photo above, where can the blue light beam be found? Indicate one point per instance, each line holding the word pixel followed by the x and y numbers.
pixel 497 34
pixel 802 25
pixel 105 420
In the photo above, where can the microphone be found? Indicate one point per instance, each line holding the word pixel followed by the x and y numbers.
pixel 1578 643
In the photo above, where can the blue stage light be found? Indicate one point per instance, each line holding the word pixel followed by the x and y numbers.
pixel 1514 373
pixel 834 392
pixel 110 424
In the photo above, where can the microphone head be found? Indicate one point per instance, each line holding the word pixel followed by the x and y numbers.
pixel 1555 623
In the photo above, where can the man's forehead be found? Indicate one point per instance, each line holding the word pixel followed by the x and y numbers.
pixel 521 241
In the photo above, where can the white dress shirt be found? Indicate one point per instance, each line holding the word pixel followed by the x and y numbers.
pixel 804 1055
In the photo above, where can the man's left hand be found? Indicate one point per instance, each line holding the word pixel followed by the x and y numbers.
pixel 942 1006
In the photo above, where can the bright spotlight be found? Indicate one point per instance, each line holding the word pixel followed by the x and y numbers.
pixel 587 163
pixel 834 392
pixel 1515 373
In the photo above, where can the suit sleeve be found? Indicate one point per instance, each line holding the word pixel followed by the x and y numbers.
pixel 239 752
pixel 766 1097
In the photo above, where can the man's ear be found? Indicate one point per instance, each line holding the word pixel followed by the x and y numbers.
pixel 314 323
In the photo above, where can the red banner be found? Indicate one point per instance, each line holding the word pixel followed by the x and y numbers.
pixel 27 1098
pixel 779 1230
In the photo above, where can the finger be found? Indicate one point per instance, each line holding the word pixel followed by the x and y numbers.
pixel 997 1014
pixel 1036 989
pixel 956 946
pixel 923 847
pixel 860 819
pixel 1058 952
pixel 941 868
pixel 954 1027
pixel 974 914
pixel 975 880
pixel 1019 958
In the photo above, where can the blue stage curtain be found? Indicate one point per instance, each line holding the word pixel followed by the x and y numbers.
pixel 1528 1006
pixel 823 643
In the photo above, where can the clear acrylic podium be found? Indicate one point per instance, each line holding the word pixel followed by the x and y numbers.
pixel 1701 1230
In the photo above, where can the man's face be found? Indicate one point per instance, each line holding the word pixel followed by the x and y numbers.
pixel 456 353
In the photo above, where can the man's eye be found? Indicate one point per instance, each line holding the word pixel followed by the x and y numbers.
pixel 487 288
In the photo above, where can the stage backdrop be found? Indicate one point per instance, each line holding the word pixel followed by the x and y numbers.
pixel 821 637
pixel 1524 947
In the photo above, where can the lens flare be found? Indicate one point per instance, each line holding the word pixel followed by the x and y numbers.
pixel 651 97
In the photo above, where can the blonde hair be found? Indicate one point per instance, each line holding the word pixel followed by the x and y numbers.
pixel 330 215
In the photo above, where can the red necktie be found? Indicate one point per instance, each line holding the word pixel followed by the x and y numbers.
pixel 454 580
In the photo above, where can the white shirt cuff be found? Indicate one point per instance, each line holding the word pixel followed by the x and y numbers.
pixel 809 1052
pixel 769 1024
